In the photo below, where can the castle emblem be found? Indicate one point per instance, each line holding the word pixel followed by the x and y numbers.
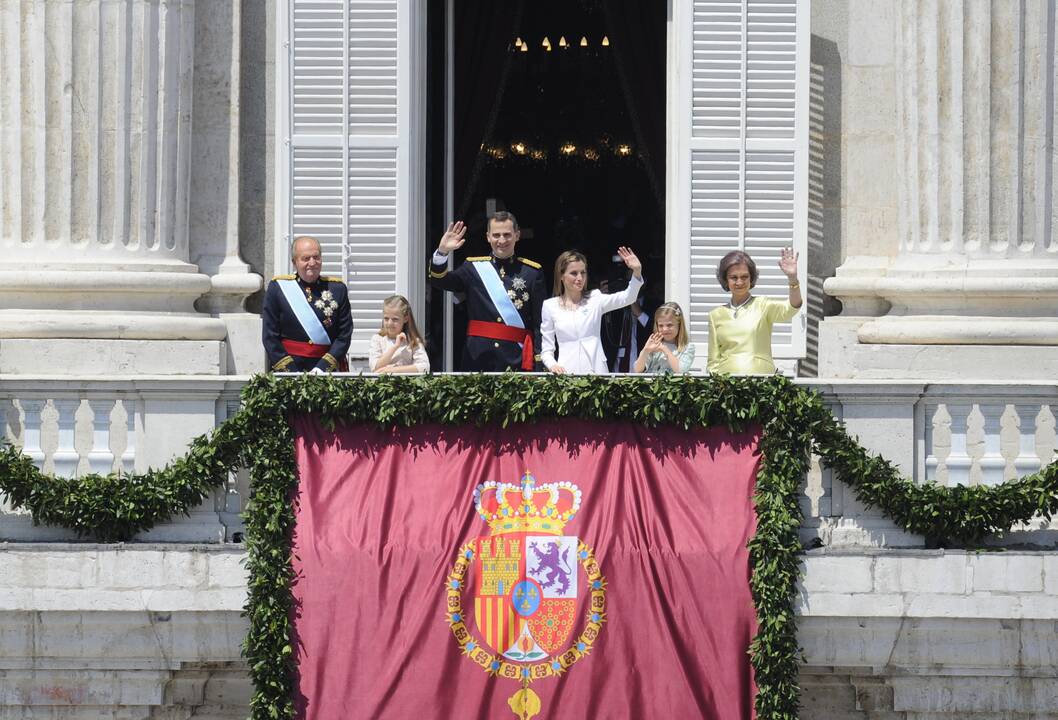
pixel 528 578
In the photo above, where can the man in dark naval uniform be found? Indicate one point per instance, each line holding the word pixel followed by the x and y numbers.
pixel 307 322
pixel 504 294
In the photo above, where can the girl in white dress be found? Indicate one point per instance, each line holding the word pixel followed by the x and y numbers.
pixel 572 319
pixel 398 346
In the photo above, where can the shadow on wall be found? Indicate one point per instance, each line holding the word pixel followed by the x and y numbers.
pixel 824 190
pixel 256 140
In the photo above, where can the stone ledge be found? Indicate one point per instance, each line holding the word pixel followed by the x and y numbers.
pixel 929 584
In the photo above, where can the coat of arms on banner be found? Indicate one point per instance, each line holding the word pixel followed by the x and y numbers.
pixel 526 578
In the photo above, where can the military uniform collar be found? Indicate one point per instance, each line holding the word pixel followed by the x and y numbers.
pixel 504 262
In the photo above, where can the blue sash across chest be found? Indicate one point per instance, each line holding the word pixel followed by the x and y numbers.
pixel 306 316
pixel 498 294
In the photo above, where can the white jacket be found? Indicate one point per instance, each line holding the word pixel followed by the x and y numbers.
pixel 577 332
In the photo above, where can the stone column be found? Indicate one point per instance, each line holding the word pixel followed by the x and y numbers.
pixel 975 267
pixel 95 116
pixel 216 183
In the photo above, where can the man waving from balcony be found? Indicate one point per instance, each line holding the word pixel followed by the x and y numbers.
pixel 504 293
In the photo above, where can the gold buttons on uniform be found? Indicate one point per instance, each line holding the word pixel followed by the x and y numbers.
pixel 496 344
pixel 499 319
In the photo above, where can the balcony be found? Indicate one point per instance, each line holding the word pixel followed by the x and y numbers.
pixel 887 624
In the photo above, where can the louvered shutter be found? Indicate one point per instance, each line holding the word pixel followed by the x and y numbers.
pixel 743 147
pixel 352 179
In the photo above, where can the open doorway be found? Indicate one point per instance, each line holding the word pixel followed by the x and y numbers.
pixel 556 112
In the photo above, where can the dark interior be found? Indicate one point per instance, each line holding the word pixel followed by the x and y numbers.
pixel 570 139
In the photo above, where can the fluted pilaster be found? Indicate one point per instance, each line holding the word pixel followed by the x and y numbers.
pixel 976 110
pixel 95 115
pixel 976 259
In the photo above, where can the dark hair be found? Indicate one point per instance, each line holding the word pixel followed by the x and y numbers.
pixel 501 216
pixel 736 257
pixel 564 261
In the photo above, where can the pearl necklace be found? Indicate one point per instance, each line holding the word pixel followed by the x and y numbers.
pixel 736 308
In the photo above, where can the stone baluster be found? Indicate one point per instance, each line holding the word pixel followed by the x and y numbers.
pixel 33 441
pixel 1025 460
pixel 128 456
pixel 100 457
pixel 1046 439
pixel 66 456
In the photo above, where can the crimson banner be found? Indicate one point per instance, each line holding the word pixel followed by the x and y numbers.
pixel 564 569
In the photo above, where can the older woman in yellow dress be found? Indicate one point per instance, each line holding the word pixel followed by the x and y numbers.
pixel 740 331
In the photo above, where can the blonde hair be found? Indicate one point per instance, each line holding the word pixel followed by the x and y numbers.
pixel 671 309
pixel 409 328
pixel 564 261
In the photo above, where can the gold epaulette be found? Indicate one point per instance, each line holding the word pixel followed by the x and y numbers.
pixel 284 277
pixel 530 263
pixel 329 278
pixel 479 258
pixel 283 363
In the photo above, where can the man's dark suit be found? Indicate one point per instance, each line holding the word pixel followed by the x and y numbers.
pixel 329 298
pixel 524 282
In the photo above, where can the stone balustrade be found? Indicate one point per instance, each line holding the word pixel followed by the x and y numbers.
pixel 70 427
pixel 889 629
pixel 949 433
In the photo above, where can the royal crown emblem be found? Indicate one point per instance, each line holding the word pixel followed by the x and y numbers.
pixel 526 587
pixel 527 507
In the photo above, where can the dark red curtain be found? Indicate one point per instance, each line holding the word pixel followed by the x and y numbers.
pixel 484 33
pixel 638 32
pixel 640 602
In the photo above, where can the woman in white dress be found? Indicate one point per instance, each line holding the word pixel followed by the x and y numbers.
pixel 572 319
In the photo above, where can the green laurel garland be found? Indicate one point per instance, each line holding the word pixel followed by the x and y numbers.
pixel 795 423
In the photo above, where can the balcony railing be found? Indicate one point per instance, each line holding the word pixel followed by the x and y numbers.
pixel 949 433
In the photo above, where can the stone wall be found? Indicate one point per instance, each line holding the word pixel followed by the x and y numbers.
pixel 153 631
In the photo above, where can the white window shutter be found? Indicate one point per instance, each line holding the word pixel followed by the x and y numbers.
pixel 743 147
pixel 352 178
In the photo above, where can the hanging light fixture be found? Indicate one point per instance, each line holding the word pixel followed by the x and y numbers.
pixel 606 41
pixel 518 148
pixel 525 47
pixel 546 44
pixel 624 150
pixel 584 41
pixel 567 148
pixel 562 43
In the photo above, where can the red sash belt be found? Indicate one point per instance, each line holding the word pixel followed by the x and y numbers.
pixel 499 331
pixel 305 349
pixel 311 350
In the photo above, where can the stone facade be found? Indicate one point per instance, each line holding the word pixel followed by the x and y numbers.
pixel 941 118
pixel 155 632
pixel 100 131
pixel 136 218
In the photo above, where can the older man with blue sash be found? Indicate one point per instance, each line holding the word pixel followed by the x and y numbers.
pixel 504 294
pixel 307 324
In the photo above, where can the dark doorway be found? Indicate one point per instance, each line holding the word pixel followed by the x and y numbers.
pixel 559 117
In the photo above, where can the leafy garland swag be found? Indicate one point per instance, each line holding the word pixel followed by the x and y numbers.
pixel 795 421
